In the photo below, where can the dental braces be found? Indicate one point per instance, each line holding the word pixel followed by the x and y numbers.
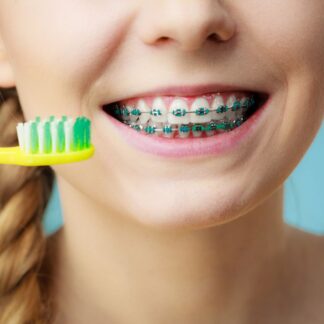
pixel 122 110
pixel 214 125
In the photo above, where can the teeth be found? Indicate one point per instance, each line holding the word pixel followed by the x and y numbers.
pixel 200 111
pixel 168 131
pixel 125 113
pixel 179 112
pixel 133 117
pixel 150 128
pixel 197 130
pixel 159 111
pixel 230 114
pixel 218 106
pixel 243 104
pixel 145 109
pixel 203 110
pixel 183 131
pixel 210 133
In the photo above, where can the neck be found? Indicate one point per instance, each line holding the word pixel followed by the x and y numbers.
pixel 109 269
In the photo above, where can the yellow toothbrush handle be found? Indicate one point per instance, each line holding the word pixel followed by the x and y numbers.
pixel 14 155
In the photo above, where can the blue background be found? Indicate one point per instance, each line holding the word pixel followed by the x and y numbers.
pixel 304 197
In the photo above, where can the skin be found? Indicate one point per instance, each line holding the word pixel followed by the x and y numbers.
pixel 128 253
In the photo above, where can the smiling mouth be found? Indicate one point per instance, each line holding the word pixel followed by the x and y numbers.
pixel 184 117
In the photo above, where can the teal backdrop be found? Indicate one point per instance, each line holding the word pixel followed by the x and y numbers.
pixel 304 197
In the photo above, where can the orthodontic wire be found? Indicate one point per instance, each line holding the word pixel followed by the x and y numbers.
pixel 186 128
pixel 220 109
pixel 223 124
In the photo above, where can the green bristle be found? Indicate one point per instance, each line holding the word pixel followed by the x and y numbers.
pixel 34 143
pixel 79 135
pixel 79 130
pixel 73 139
pixel 60 137
pixel 47 138
pixel 87 133
pixel 76 127
pixel 82 133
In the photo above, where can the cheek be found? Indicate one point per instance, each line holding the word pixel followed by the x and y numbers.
pixel 58 48
pixel 289 31
pixel 288 34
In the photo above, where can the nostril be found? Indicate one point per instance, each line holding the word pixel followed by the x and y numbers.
pixel 214 37
pixel 163 40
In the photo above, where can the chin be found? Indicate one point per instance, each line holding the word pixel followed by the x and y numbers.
pixel 173 215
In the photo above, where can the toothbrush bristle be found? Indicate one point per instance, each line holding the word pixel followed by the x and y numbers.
pixel 54 135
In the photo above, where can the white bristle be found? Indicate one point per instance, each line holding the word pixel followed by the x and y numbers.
pixel 68 128
pixel 20 133
pixel 54 135
pixel 40 131
pixel 24 134
pixel 27 137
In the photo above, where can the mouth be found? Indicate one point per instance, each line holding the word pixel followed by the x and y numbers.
pixel 187 116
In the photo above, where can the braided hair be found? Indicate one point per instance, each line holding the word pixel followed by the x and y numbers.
pixel 24 193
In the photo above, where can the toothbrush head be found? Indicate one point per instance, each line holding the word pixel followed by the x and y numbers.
pixel 50 141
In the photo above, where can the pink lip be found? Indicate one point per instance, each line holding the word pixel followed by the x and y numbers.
pixel 190 147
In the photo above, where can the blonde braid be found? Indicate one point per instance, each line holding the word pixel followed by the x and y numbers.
pixel 24 193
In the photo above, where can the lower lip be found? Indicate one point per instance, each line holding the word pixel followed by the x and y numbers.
pixel 190 147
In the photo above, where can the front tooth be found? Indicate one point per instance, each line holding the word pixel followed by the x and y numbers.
pixel 218 107
pixel 178 113
pixel 230 114
pixel 200 111
pixel 183 131
pixel 159 111
pixel 145 109
pixel 168 131
pixel 197 130
pixel 210 129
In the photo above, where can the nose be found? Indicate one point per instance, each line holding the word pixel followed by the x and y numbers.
pixel 189 23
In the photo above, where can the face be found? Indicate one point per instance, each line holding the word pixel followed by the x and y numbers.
pixel 71 57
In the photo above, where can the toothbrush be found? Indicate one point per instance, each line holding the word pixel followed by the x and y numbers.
pixel 51 141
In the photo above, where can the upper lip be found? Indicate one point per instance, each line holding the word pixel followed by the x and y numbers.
pixel 189 90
